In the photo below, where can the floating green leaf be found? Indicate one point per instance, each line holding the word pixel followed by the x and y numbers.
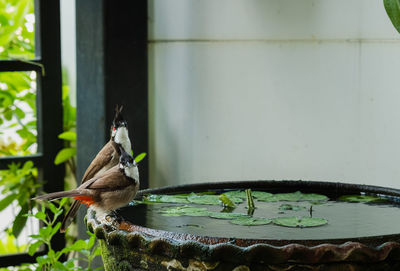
pixel 313 197
pixel 226 215
pixel 302 222
pixel 251 221
pixel 204 199
pixel 242 194
pixel 296 196
pixel 185 211
pixel 154 198
pixel 236 194
pixel 361 198
pixel 290 207
pixel 261 195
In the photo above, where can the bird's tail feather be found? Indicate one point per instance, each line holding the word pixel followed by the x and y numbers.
pixel 70 215
pixel 58 195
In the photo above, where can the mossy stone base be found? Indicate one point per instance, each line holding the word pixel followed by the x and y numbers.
pixel 119 258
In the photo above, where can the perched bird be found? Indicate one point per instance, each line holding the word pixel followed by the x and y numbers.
pixel 107 191
pixel 107 158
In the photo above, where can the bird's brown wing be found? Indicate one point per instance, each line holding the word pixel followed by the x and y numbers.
pixel 112 179
pixel 102 158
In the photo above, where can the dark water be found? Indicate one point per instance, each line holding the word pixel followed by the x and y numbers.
pixel 345 220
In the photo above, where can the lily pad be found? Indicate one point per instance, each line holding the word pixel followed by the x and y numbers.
pixel 204 199
pixel 251 221
pixel 242 194
pixel 290 207
pixel 361 198
pixel 302 222
pixel 261 195
pixel 185 211
pixel 236 194
pixel 313 197
pixel 296 196
pixel 226 215
pixel 154 198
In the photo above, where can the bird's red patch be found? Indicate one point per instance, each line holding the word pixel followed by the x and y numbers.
pixel 85 199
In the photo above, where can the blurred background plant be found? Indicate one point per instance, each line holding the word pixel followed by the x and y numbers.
pixel 18 135
pixel 17 121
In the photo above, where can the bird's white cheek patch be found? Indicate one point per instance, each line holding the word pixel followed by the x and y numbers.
pixel 132 172
pixel 122 137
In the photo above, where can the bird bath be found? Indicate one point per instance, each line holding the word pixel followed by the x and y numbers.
pixel 352 236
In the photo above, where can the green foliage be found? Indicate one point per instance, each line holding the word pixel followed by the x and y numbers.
pixel 85 249
pixel 140 157
pixel 393 10
pixel 17 94
pixel 17 108
pixel 19 184
pixel 226 201
pixel 361 198
pixel 16 29
pixel 64 155
pixel 9 245
pixel 68 153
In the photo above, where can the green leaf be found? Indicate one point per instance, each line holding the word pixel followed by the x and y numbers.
pixel 78 245
pixel 69 135
pixel 53 208
pixel 302 222
pixel 295 196
pixel 34 247
pixel 184 211
pixel 20 220
pixel 40 215
pixel 55 229
pixel 64 155
pixel 204 199
pixel 60 266
pixel 19 113
pixel 361 198
pixel 242 194
pixel 226 201
pixel 8 115
pixel 393 10
pixel 28 165
pixel 7 201
pixel 165 198
pixel 226 215
pixel 236 194
pixel 45 232
pixel 91 240
pixel 261 195
pixel 251 221
pixel 62 202
pixel 313 197
pixel 140 157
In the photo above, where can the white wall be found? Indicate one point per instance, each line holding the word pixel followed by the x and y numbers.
pixel 273 89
